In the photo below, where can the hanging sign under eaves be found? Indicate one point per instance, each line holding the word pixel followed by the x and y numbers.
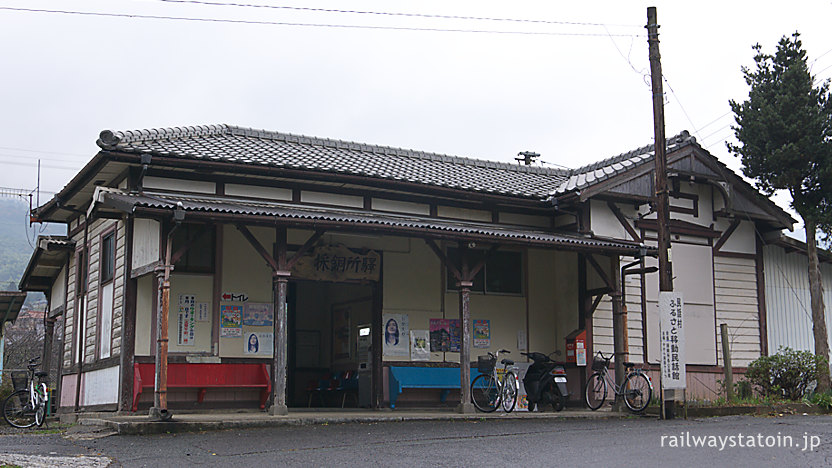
pixel 338 263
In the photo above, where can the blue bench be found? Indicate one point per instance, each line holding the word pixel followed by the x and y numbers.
pixel 442 378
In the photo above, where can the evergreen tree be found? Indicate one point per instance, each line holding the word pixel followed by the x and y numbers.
pixel 784 131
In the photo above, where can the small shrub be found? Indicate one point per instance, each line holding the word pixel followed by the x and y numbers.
pixel 823 400
pixel 786 374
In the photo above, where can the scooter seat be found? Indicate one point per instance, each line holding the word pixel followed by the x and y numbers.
pixel 507 362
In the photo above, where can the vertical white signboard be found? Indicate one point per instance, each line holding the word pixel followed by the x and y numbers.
pixel 672 334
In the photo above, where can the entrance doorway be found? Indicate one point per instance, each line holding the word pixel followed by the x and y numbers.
pixel 324 322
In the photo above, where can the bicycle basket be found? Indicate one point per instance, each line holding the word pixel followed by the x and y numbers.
pixel 485 364
pixel 20 380
pixel 599 364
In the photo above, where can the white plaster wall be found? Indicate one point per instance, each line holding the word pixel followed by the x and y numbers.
pixel 201 286
pixel 144 314
pixel 257 191
pixel 742 239
pixel 179 185
pixel 413 286
pixel 100 387
pixel 323 198
pixel 145 242
pixel 525 220
pixel 604 223
pixel 57 295
pixel 398 206
pixel 544 274
pixel 463 213
pixel 244 271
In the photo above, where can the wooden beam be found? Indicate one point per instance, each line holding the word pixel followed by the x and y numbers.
pixel 598 291
pixel 621 219
pixel 595 305
pixel 304 248
pixel 258 247
pixel 444 259
pixel 725 235
pixel 600 271
pixel 188 244
pixel 481 263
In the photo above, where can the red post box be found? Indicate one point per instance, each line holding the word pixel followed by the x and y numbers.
pixel 576 347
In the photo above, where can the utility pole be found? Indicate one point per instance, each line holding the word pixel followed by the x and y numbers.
pixel 662 208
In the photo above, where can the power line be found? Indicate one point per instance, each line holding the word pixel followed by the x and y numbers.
pixel 43 151
pixel 316 25
pixel 387 13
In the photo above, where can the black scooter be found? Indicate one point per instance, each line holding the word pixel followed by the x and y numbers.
pixel 545 382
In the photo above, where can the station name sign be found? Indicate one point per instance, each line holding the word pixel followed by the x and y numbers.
pixel 338 263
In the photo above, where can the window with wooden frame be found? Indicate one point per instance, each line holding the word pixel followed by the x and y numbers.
pixel 108 257
pixel 501 274
pixel 106 289
pixel 200 240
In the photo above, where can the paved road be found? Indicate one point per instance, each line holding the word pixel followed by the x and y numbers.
pixel 736 442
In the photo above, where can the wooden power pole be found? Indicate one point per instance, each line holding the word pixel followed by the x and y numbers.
pixel 662 208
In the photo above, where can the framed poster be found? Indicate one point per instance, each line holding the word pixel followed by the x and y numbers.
pixel 419 345
pixel 395 341
pixel 258 314
pixel 482 333
pixel 231 324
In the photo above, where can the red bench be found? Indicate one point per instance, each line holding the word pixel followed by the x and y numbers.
pixel 203 377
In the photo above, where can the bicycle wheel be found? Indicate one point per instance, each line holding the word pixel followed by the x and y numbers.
pixel 40 408
pixel 485 393
pixel 637 392
pixel 509 392
pixel 596 391
pixel 18 411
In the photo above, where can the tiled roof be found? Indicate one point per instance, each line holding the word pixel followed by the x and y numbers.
pixel 586 176
pixel 264 148
pixel 228 205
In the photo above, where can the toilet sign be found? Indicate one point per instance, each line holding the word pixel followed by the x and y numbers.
pixel 672 336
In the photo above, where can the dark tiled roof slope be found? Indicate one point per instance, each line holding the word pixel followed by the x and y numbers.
pixel 588 175
pixel 259 147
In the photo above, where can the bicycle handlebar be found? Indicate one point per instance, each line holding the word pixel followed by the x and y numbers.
pixel 606 358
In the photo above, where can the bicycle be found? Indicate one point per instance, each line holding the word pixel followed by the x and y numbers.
pixel 27 407
pixel 637 388
pixel 490 391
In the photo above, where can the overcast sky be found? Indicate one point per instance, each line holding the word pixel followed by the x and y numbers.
pixel 575 93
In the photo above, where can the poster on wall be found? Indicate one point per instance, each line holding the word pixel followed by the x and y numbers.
pixel 340 332
pixel 202 314
pixel 231 324
pixel 396 333
pixel 258 314
pixel 482 333
pixel 445 335
pixel 185 320
pixel 419 345
pixel 260 344
pixel 456 335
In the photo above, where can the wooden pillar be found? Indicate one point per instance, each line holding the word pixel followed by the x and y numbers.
pixel 464 285
pixel 584 315
pixel 281 336
pixel 618 319
pixel 280 281
pixel 465 405
pixel 160 399
pixel 128 327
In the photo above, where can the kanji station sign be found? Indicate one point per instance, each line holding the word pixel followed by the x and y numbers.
pixel 338 263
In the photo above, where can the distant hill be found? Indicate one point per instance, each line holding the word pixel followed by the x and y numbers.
pixel 17 241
